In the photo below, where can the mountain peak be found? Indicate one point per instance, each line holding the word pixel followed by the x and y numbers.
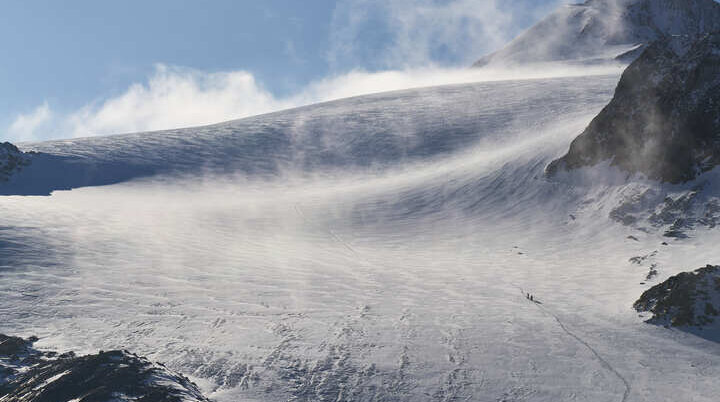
pixel 603 30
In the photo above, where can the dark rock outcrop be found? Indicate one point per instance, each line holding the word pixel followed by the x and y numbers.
pixel 664 120
pixel 689 299
pixel 11 160
pixel 29 375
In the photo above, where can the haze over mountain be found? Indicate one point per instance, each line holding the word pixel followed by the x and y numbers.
pixel 605 30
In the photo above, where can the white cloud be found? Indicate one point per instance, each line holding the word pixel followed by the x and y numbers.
pixel 175 97
pixel 28 126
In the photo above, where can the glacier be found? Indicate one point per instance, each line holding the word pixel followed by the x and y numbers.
pixel 376 248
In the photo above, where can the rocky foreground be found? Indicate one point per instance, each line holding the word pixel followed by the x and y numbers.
pixel 664 119
pixel 29 375
pixel 689 300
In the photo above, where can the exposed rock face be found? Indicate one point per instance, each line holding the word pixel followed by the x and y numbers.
pixel 28 375
pixel 11 160
pixel 664 120
pixel 606 29
pixel 689 299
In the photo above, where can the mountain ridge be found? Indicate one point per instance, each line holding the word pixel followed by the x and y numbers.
pixel 606 30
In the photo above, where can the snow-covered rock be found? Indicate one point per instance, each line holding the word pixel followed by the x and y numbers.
pixel 664 120
pixel 675 213
pixel 29 375
pixel 689 299
pixel 599 30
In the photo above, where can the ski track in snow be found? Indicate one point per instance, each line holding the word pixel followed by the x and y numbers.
pixel 332 234
pixel 603 362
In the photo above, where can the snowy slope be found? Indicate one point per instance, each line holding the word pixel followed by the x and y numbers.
pixel 601 30
pixel 371 249
pixel 367 133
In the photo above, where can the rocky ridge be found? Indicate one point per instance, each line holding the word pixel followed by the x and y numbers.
pixel 664 119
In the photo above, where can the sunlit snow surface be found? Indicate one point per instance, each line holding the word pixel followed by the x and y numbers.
pixel 370 249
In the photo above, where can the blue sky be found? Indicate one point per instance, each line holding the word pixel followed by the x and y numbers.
pixel 66 62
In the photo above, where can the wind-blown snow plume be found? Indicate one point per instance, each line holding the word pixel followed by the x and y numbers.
pixel 175 97
pixel 27 126
pixel 425 32
pixel 338 250
pixel 605 29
